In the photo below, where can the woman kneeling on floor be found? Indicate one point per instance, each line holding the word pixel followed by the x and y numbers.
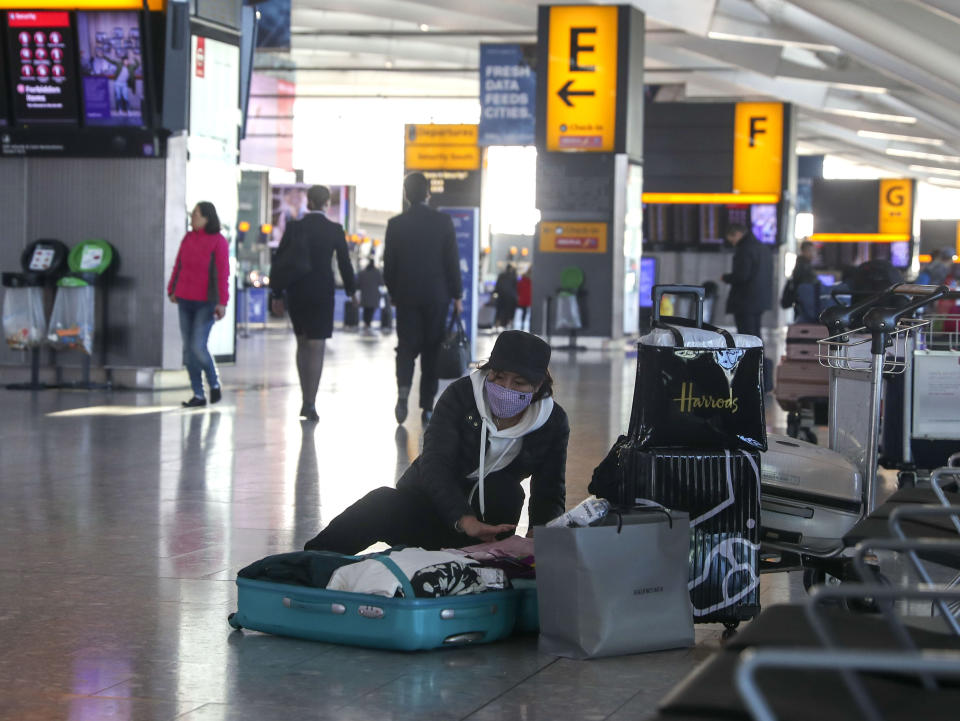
pixel 460 491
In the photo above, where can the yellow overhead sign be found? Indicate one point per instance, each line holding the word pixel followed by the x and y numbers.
pixel 758 148
pixel 573 237
pixel 80 4
pixel 441 157
pixel 582 78
pixel 896 206
pixel 441 134
pixel 441 147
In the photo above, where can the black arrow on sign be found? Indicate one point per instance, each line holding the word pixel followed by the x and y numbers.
pixel 565 92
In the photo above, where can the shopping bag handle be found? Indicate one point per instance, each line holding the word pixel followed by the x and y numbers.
pixel 671 320
pixel 650 507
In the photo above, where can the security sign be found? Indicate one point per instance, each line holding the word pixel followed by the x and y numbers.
pixel 582 78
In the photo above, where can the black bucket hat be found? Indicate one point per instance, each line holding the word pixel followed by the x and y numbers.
pixel 522 353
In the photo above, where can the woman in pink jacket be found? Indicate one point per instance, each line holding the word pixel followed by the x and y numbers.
pixel 199 286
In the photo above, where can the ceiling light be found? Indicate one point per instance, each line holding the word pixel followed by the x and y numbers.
pixel 779 42
pixel 869 115
pixel 424 27
pixel 388 64
pixel 894 136
pixel 936 171
pixel 944 182
pixel 922 156
pixel 875 89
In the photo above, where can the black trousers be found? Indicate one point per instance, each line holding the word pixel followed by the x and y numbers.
pixel 419 333
pixel 368 315
pixel 748 323
pixel 403 517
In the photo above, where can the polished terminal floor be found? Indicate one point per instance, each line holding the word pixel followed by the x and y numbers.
pixel 124 520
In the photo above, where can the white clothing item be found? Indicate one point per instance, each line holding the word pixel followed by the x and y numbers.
pixel 371 576
pixel 504 444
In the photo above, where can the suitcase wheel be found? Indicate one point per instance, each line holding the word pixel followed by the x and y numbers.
pixel 232 620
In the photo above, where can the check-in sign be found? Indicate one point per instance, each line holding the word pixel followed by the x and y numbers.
pixel 758 148
pixel 573 237
pixel 896 206
pixel 582 78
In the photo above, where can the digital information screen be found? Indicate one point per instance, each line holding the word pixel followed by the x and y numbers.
pixel 763 223
pixel 648 278
pixel 42 70
pixel 111 68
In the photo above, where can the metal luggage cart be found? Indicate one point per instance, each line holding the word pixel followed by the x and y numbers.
pixel 854 359
pixel 931 395
pixel 805 515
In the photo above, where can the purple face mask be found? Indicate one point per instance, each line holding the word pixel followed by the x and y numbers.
pixel 504 402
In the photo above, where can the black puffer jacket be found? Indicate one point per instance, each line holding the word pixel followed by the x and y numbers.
pixel 451 452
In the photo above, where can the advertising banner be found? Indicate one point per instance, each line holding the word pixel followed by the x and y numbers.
pixel 111 66
pixel 507 94
pixel 465 223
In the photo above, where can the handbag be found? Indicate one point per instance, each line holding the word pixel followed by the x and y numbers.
pixel 615 589
pixel 454 355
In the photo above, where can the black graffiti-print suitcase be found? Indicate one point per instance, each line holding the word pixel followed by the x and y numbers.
pixel 721 492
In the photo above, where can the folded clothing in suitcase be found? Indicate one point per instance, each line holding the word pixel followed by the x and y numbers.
pixel 721 492
pixel 372 620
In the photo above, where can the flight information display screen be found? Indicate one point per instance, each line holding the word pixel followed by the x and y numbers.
pixel 42 72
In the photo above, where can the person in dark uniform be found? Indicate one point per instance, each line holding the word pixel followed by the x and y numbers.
pixel 421 269
pixel 310 298
pixel 751 280
pixel 491 430
pixel 369 279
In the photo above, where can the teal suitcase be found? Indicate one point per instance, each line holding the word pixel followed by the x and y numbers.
pixel 528 612
pixel 373 621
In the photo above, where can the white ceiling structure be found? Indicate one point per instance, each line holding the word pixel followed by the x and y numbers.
pixel 875 81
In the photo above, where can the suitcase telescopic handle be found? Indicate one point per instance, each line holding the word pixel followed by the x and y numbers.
pixel 696 291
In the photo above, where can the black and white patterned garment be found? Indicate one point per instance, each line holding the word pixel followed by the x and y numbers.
pixel 446 579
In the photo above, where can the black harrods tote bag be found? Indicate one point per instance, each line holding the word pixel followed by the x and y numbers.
pixel 687 395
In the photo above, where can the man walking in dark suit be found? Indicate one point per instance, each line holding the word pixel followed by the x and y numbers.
pixel 309 243
pixel 751 280
pixel 421 269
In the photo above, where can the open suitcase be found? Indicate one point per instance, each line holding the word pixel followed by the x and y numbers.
pixel 374 621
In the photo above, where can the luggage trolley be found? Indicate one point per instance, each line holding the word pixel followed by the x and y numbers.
pixel 809 502
pixel 922 428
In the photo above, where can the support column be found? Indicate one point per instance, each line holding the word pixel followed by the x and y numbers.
pixel 589 163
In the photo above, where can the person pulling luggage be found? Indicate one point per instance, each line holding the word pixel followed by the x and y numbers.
pixel 491 429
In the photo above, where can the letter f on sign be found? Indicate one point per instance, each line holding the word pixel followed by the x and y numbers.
pixel 755 128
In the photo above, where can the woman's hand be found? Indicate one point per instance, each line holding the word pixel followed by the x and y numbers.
pixel 219 311
pixel 476 528
pixel 173 298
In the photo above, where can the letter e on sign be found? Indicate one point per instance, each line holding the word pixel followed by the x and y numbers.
pixel 582 78
pixel 758 148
